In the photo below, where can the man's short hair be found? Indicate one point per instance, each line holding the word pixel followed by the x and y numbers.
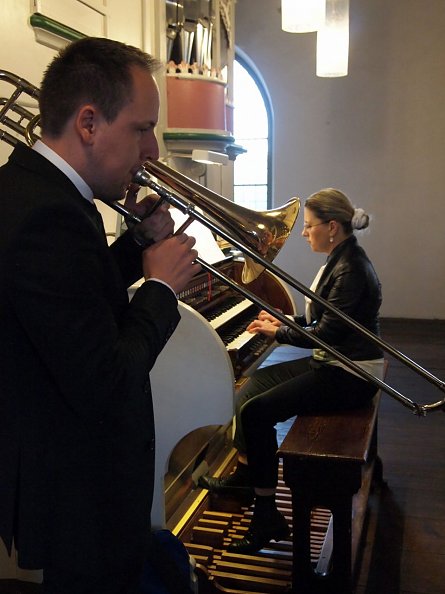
pixel 92 70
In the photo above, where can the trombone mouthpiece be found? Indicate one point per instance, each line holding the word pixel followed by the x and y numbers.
pixel 141 177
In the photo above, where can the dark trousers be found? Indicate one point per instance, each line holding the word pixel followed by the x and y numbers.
pixel 279 392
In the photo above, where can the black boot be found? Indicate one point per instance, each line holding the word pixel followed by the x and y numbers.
pixel 235 485
pixel 267 524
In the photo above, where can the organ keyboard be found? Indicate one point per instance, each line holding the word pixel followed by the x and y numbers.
pixel 229 313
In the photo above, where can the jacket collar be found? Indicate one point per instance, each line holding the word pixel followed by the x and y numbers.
pixel 25 157
pixel 349 242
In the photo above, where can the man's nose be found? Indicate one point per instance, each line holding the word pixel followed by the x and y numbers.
pixel 151 149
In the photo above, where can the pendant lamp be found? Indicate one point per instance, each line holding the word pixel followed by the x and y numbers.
pixel 302 16
pixel 333 40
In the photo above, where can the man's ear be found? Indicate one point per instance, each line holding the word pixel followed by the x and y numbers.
pixel 87 122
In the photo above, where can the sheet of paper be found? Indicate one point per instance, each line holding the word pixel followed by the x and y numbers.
pixel 206 245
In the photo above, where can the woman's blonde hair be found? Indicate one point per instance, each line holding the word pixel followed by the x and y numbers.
pixel 330 204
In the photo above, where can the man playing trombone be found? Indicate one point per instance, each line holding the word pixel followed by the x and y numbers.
pixel 76 420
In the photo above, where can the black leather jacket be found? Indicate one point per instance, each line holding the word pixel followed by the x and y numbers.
pixel 350 283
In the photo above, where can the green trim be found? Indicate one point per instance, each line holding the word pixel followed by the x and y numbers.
pixel 40 21
pixel 197 136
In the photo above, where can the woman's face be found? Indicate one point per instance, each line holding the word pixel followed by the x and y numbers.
pixel 317 232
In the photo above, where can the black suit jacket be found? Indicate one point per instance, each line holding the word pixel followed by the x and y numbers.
pixel 76 418
pixel 350 283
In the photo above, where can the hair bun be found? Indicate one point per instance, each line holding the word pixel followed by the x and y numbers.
pixel 360 220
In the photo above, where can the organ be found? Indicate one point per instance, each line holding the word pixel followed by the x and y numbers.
pixel 204 365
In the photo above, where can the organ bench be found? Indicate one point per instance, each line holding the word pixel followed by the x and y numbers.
pixel 329 461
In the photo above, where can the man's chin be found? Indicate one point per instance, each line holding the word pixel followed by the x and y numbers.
pixel 112 196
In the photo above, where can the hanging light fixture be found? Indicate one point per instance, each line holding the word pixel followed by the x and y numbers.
pixel 302 16
pixel 333 40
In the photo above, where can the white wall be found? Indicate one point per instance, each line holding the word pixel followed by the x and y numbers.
pixel 378 134
pixel 130 21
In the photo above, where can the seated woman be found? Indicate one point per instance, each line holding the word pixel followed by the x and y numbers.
pixel 310 385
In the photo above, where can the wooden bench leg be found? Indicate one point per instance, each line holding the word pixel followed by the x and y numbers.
pixel 302 571
pixel 377 478
pixel 341 570
pixel 339 578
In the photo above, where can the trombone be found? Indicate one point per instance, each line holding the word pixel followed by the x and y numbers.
pixel 258 235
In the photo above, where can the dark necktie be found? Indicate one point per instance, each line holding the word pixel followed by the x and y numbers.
pixel 96 219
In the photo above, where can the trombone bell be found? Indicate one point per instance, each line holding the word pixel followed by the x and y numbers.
pixel 271 235
pixel 263 232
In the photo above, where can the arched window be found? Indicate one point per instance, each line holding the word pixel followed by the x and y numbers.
pixel 252 130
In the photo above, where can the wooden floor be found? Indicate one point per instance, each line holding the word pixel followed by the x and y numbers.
pixel 404 548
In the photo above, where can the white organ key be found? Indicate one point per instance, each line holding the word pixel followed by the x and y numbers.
pixel 240 340
pixel 230 314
